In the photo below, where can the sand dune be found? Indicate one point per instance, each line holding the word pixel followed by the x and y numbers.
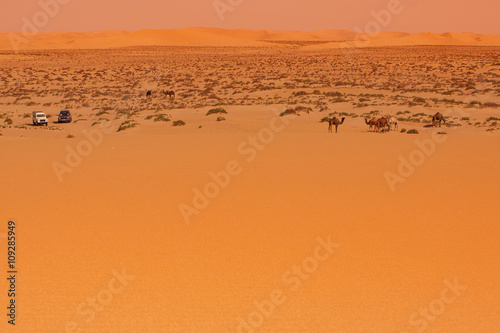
pixel 200 36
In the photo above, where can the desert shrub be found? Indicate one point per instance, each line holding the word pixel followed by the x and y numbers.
pixel 340 100
pixel 325 120
pixel 419 100
pixel 412 131
pixel 442 133
pixel 216 110
pixel 489 119
pixel 403 130
pixel 178 123
pixel 333 94
pixel 287 112
pixel 126 125
pixel 300 93
pixel 70 136
pixel 296 110
pixel 100 113
pixel 159 117
pixel 221 118
pixel 8 121
pixel 414 120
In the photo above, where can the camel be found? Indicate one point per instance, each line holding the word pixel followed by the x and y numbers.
pixel 393 122
pixel 170 93
pixel 336 122
pixel 149 93
pixel 373 124
pixel 438 117
pixel 383 122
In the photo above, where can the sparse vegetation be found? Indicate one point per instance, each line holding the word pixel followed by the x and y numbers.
pixel 445 83
pixel 127 124
pixel 159 117
pixel 179 123
pixel 296 110
pixel 216 111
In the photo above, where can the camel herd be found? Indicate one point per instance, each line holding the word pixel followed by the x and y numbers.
pixel 389 122
pixel 169 93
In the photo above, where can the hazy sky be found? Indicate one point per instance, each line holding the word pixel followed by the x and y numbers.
pixel 479 16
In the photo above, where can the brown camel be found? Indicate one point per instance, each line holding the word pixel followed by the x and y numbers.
pixel 336 122
pixel 438 117
pixel 373 124
pixel 383 123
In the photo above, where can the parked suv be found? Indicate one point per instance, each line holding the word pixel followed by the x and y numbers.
pixel 64 117
pixel 39 118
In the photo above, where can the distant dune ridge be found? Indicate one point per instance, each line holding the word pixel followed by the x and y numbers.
pixel 236 37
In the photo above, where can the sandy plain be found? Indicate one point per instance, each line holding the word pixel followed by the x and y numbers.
pixel 412 219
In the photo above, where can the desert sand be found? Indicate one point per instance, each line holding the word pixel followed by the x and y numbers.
pixel 412 219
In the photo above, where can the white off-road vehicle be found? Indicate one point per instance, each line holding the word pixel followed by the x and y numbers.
pixel 39 118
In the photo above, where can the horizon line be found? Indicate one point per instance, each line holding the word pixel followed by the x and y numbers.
pixel 261 29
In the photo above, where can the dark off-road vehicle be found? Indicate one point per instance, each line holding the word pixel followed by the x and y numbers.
pixel 64 117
